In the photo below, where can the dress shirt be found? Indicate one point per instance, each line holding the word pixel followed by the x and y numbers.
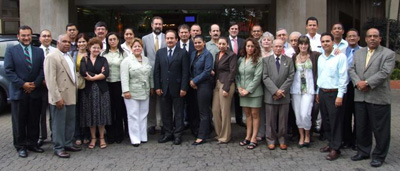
pixel 350 54
pixel 186 47
pixel 342 46
pixel 51 49
pixel 315 42
pixel 232 43
pixel 212 48
pixel 280 58
pixel 172 53
pixel 104 44
pixel 114 60
pixel 70 64
pixel 127 49
pixel 29 50
pixel 290 52
pixel 332 72
pixel 286 47
pixel 159 39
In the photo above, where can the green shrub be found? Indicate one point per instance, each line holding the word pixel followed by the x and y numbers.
pixel 395 75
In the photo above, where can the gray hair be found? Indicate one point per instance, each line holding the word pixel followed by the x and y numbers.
pixel 279 29
pixel 267 35
pixel 295 33
pixel 60 37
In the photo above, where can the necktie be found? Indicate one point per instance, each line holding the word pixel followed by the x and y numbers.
pixel 28 59
pixel 47 51
pixel 278 65
pixel 369 54
pixel 235 46
pixel 184 46
pixel 169 54
pixel 156 44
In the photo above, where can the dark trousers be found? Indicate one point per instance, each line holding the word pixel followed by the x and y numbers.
pixel 25 121
pixel 348 132
pixel 63 125
pixel 372 118
pixel 172 122
pixel 43 113
pixel 332 119
pixel 238 108
pixel 115 131
pixel 199 110
pixel 292 126
pixel 81 133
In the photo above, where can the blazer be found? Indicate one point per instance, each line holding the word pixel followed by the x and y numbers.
pixel 202 68
pixel 249 77
pixel 17 71
pixel 377 74
pixel 136 78
pixel 171 76
pixel 274 80
pixel 191 46
pixel 149 47
pixel 240 42
pixel 59 79
pixel 93 69
pixel 226 69
pixel 314 61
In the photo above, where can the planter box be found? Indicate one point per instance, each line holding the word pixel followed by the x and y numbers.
pixel 395 84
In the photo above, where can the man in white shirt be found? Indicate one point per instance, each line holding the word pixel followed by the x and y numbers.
pixel 100 30
pixel 315 38
pixel 45 39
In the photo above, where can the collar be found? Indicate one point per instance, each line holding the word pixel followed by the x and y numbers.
pixel 280 56
pixel 23 46
pixel 230 37
pixel 173 48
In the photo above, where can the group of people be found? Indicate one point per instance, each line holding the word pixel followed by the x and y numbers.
pixel 102 84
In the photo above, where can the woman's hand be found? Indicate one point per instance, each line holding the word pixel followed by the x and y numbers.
pixel 89 77
pixel 244 92
pixel 192 84
pixel 224 93
pixel 127 95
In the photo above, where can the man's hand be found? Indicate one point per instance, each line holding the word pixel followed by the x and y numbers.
pixel 317 98
pixel 280 93
pixel 362 86
pixel 192 84
pixel 212 73
pixel 28 87
pixel 183 93
pixel 159 92
pixel 127 95
pixel 338 101
pixel 60 104
pixel 337 51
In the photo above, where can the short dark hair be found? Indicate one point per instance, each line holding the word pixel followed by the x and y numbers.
pixel 224 38
pixel 82 35
pixel 327 34
pixel 172 31
pixel 24 27
pixel 129 28
pixel 183 26
pixel 312 19
pixel 339 24
pixel 233 24
pixel 255 26
pixel 156 17
pixel 100 24
pixel 70 25
pixel 353 29
pixel 198 37
pixel 195 25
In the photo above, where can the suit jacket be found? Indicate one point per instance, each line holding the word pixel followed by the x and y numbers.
pixel 17 71
pixel 274 80
pixel 240 42
pixel 149 48
pixel 191 46
pixel 93 69
pixel 377 73
pixel 226 69
pixel 249 77
pixel 59 79
pixel 201 72
pixel 172 75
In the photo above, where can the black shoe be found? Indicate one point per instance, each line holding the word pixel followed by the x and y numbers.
pixel 165 139
pixel 61 154
pixel 198 143
pixel 135 145
pixel 36 149
pixel 73 149
pixel 162 131
pixel 22 153
pixel 177 141
pixel 347 145
pixel 376 163
pixel 241 124
pixel 151 130
pixel 354 148
pixel 321 137
pixel 359 157
pixel 40 142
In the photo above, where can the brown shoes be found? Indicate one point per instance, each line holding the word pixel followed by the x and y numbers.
pixel 333 155
pixel 283 147
pixel 325 149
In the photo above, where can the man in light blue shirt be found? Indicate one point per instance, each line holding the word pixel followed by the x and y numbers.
pixel 332 82
pixel 339 43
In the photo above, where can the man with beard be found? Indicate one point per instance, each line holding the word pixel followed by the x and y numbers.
pixel 23 65
pixel 211 45
pixel 100 30
pixel 151 43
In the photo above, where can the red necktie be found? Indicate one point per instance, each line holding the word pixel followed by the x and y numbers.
pixel 235 46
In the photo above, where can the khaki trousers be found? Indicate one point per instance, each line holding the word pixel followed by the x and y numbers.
pixel 221 109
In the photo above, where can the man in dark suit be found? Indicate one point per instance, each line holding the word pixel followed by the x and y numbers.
pixel 171 81
pixel 236 45
pixel 184 41
pixel 23 65
pixel 370 73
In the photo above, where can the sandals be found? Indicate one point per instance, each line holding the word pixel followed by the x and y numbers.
pixel 78 142
pixel 252 145
pixel 244 142
pixel 103 145
pixel 92 145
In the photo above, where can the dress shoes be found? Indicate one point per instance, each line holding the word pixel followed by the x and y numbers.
pixel 72 148
pixel 283 146
pixel 325 149
pixel 61 154
pixel 198 143
pixel 135 145
pixel 271 147
pixel 333 155
pixel 376 163
pixel 177 141
pixel 36 149
pixel 151 130
pixel 40 142
pixel 22 153
pixel 359 157
pixel 165 139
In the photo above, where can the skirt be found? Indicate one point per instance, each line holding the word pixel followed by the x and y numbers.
pixel 253 102
pixel 95 107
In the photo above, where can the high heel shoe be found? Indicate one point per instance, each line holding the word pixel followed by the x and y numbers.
pixel 103 145
pixel 198 143
pixel 306 144
pixel 92 145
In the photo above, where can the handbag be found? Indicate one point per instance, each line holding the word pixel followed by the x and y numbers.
pixel 81 80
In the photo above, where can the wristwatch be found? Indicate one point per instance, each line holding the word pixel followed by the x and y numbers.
pixel 366 83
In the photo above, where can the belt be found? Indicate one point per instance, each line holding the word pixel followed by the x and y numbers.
pixel 328 90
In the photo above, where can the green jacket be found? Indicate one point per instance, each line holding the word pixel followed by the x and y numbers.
pixel 249 77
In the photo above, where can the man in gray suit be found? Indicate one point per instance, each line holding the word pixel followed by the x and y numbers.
pixel 277 77
pixel 370 73
pixel 151 43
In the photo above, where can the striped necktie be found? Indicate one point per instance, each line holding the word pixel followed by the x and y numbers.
pixel 369 54
pixel 28 59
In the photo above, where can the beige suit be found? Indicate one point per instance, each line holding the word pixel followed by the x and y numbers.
pixel 59 79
